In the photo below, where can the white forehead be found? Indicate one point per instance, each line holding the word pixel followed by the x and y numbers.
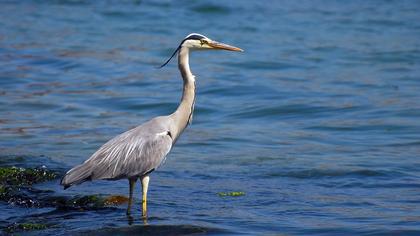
pixel 195 34
pixel 193 41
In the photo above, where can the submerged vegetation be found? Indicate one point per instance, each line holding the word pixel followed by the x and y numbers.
pixel 17 189
pixel 16 184
pixel 231 194
pixel 14 176
pixel 16 227
pixel 88 202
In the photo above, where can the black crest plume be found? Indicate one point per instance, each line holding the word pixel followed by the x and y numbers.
pixel 192 36
pixel 173 54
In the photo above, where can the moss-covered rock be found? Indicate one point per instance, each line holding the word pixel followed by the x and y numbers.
pixel 115 200
pixel 15 176
pixel 3 190
pixel 18 197
pixel 89 202
pixel 15 184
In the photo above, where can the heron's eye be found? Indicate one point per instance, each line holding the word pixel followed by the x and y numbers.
pixel 203 41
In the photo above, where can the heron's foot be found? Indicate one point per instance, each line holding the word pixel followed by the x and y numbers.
pixel 145 221
pixel 144 217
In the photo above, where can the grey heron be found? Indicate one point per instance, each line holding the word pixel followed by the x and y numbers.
pixel 138 152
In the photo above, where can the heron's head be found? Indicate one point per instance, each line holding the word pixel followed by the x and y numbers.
pixel 196 41
pixel 199 42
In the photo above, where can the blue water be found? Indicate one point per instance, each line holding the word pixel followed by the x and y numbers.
pixel 318 121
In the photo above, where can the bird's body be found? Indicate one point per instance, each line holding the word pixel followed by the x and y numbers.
pixel 136 153
pixel 128 155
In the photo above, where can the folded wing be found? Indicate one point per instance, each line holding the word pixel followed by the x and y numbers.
pixel 131 154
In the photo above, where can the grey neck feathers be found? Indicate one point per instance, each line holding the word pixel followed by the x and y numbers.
pixel 183 114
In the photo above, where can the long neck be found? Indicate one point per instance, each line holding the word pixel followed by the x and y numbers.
pixel 183 114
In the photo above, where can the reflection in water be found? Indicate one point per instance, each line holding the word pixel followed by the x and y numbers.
pixel 130 219
pixel 155 230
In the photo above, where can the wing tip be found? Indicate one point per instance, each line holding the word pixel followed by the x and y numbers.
pixel 65 186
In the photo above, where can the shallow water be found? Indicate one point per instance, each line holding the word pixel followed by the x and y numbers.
pixel 317 121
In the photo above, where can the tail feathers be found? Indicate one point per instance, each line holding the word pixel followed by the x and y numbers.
pixel 77 175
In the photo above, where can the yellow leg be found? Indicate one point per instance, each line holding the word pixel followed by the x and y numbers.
pixel 130 197
pixel 145 185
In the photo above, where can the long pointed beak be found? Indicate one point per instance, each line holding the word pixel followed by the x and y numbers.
pixel 217 45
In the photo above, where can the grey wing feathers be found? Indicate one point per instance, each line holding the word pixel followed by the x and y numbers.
pixel 131 154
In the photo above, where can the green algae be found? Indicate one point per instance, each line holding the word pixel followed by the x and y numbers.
pixel 17 188
pixel 87 202
pixel 79 202
pixel 16 227
pixel 5 192
pixel 16 184
pixel 14 176
pixel 231 194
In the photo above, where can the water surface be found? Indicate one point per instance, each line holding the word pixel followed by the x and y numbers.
pixel 317 121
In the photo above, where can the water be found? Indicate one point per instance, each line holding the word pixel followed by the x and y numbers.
pixel 317 121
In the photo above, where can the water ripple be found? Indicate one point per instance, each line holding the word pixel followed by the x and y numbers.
pixel 211 9
pixel 333 173
pixel 291 111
